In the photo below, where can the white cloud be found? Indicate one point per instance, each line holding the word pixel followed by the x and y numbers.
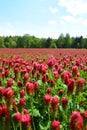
pixel 53 10
pixel 52 22
pixel 74 7
pixel 69 18
pixel 73 20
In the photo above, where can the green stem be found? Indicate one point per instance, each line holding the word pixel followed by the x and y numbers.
pixel 0 123
pixel 49 115
pixel 32 112
pixel 20 126
pixel 65 119
pixel 3 123
pixel 14 127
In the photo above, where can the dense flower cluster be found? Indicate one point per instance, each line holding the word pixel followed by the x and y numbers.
pixel 43 92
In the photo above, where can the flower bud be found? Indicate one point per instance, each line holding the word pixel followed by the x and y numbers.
pixel 85 118
pixel 36 86
pixel 30 88
pixel 56 125
pixel 64 102
pixel 0 110
pixel 54 105
pixel 4 110
pixel 71 85
pixel 22 102
pixel 49 90
pixel 22 93
pixel 76 121
pixel 75 70
pixel 80 84
pixel 60 92
pixel 9 93
pixel 10 82
pixel 47 99
pixel 26 76
pixel 26 120
pixel 2 91
pixel 17 117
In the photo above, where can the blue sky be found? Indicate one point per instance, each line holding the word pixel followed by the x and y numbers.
pixel 43 18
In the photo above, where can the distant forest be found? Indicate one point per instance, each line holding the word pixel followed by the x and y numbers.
pixel 28 41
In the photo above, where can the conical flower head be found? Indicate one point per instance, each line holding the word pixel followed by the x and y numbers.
pixel 56 125
pixel 17 117
pixel 76 121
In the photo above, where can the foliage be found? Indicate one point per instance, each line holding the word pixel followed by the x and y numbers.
pixel 28 41
pixel 41 92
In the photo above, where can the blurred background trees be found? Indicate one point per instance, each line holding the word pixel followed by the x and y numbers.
pixel 28 41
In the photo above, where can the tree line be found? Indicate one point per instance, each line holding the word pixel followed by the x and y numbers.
pixel 28 41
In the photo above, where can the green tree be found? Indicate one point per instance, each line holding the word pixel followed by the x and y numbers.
pixel 85 42
pixel 48 42
pixel 20 42
pixel 60 41
pixel 53 43
pixel 43 42
pixel 67 41
pixel 2 42
pixel 81 45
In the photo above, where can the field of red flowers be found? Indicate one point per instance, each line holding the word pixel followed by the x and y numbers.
pixel 43 89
